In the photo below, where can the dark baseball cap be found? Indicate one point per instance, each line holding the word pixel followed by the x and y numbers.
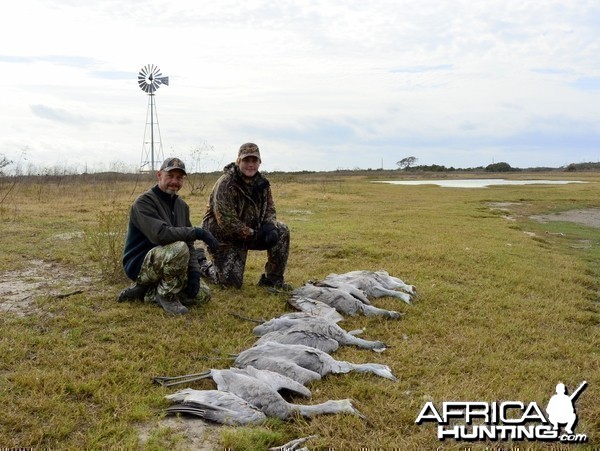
pixel 173 163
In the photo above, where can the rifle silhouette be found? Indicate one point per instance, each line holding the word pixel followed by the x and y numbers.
pixel 577 392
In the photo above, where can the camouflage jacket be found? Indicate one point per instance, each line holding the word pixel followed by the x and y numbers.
pixel 157 218
pixel 237 209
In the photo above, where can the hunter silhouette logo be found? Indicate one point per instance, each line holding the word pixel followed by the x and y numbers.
pixel 507 420
pixel 561 408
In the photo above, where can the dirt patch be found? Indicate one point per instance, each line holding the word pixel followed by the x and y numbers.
pixel 589 217
pixel 199 435
pixel 502 205
pixel 19 289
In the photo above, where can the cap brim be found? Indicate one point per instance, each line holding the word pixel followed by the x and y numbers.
pixel 257 155
pixel 173 168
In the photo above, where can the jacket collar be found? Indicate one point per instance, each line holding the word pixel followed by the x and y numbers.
pixel 162 195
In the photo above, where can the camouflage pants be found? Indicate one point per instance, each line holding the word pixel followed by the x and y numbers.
pixel 229 262
pixel 165 270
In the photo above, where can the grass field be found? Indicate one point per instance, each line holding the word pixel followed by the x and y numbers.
pixel 507 308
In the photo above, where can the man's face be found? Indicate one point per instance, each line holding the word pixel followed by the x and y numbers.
pixel 249 166
pixel 170 182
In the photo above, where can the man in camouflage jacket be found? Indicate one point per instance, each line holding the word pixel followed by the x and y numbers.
pixel 159 254
pixel 241 216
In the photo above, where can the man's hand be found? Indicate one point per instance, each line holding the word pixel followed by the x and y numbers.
pixel 268 235
pixel 208 238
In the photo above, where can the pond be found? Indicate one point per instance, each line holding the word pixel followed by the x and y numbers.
pixel 477 183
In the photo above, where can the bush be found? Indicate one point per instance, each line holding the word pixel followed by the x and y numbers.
pixel 105 242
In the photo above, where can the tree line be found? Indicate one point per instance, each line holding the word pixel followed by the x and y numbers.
pixel 409 164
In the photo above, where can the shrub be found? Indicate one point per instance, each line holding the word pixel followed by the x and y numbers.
pixel 105 241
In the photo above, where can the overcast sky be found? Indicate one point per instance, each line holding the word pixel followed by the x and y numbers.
pixel 317 84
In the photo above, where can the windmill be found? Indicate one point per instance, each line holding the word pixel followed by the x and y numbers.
pixel 150 79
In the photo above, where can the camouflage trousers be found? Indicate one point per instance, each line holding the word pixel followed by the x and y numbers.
pixel 165 270
pixel 229 262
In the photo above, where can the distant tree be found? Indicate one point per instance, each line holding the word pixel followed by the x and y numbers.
pixel 406 163
pixel 499 167
pixel 571 168
pixel 3 162
pixel 589 166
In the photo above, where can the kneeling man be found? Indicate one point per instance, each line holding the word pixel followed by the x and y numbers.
pixel 159 254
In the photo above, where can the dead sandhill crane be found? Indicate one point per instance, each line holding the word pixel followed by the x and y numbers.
pixel 305 357
pixel 375 284
pixel 315 307
pixel 311 330
pixel 277 381
pixel 289 316
pixel 342 301
pixel 216 405
pixel 347 287
pixel 286 367
pixel 262 396
pixel 300 336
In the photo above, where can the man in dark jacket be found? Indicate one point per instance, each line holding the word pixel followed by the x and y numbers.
pixel 241 216
pixel 159 254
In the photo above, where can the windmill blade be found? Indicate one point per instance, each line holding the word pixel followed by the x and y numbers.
pixel 146 70
pixel 144 86
pixel 155 72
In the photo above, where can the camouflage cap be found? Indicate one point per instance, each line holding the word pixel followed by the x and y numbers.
pixel 248 150
pixel 173 163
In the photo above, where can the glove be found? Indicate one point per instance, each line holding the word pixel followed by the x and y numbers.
pixel 267 234
pixel 208 238
pixel 193 285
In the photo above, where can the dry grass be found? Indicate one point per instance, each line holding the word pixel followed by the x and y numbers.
pixel 502 314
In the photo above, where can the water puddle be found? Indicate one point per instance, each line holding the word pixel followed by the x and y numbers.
pixel 477 183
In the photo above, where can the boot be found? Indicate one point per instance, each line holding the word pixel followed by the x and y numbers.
pixel 133 293
pixel 171 304
pixel 274 282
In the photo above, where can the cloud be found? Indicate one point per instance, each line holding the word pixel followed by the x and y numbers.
pixel 58 115
pixel 15 59
pixel 587 84
pixel 61 60
pixel 419 69
pixel 113 75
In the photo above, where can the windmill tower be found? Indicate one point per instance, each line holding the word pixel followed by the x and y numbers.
pixel 150 79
